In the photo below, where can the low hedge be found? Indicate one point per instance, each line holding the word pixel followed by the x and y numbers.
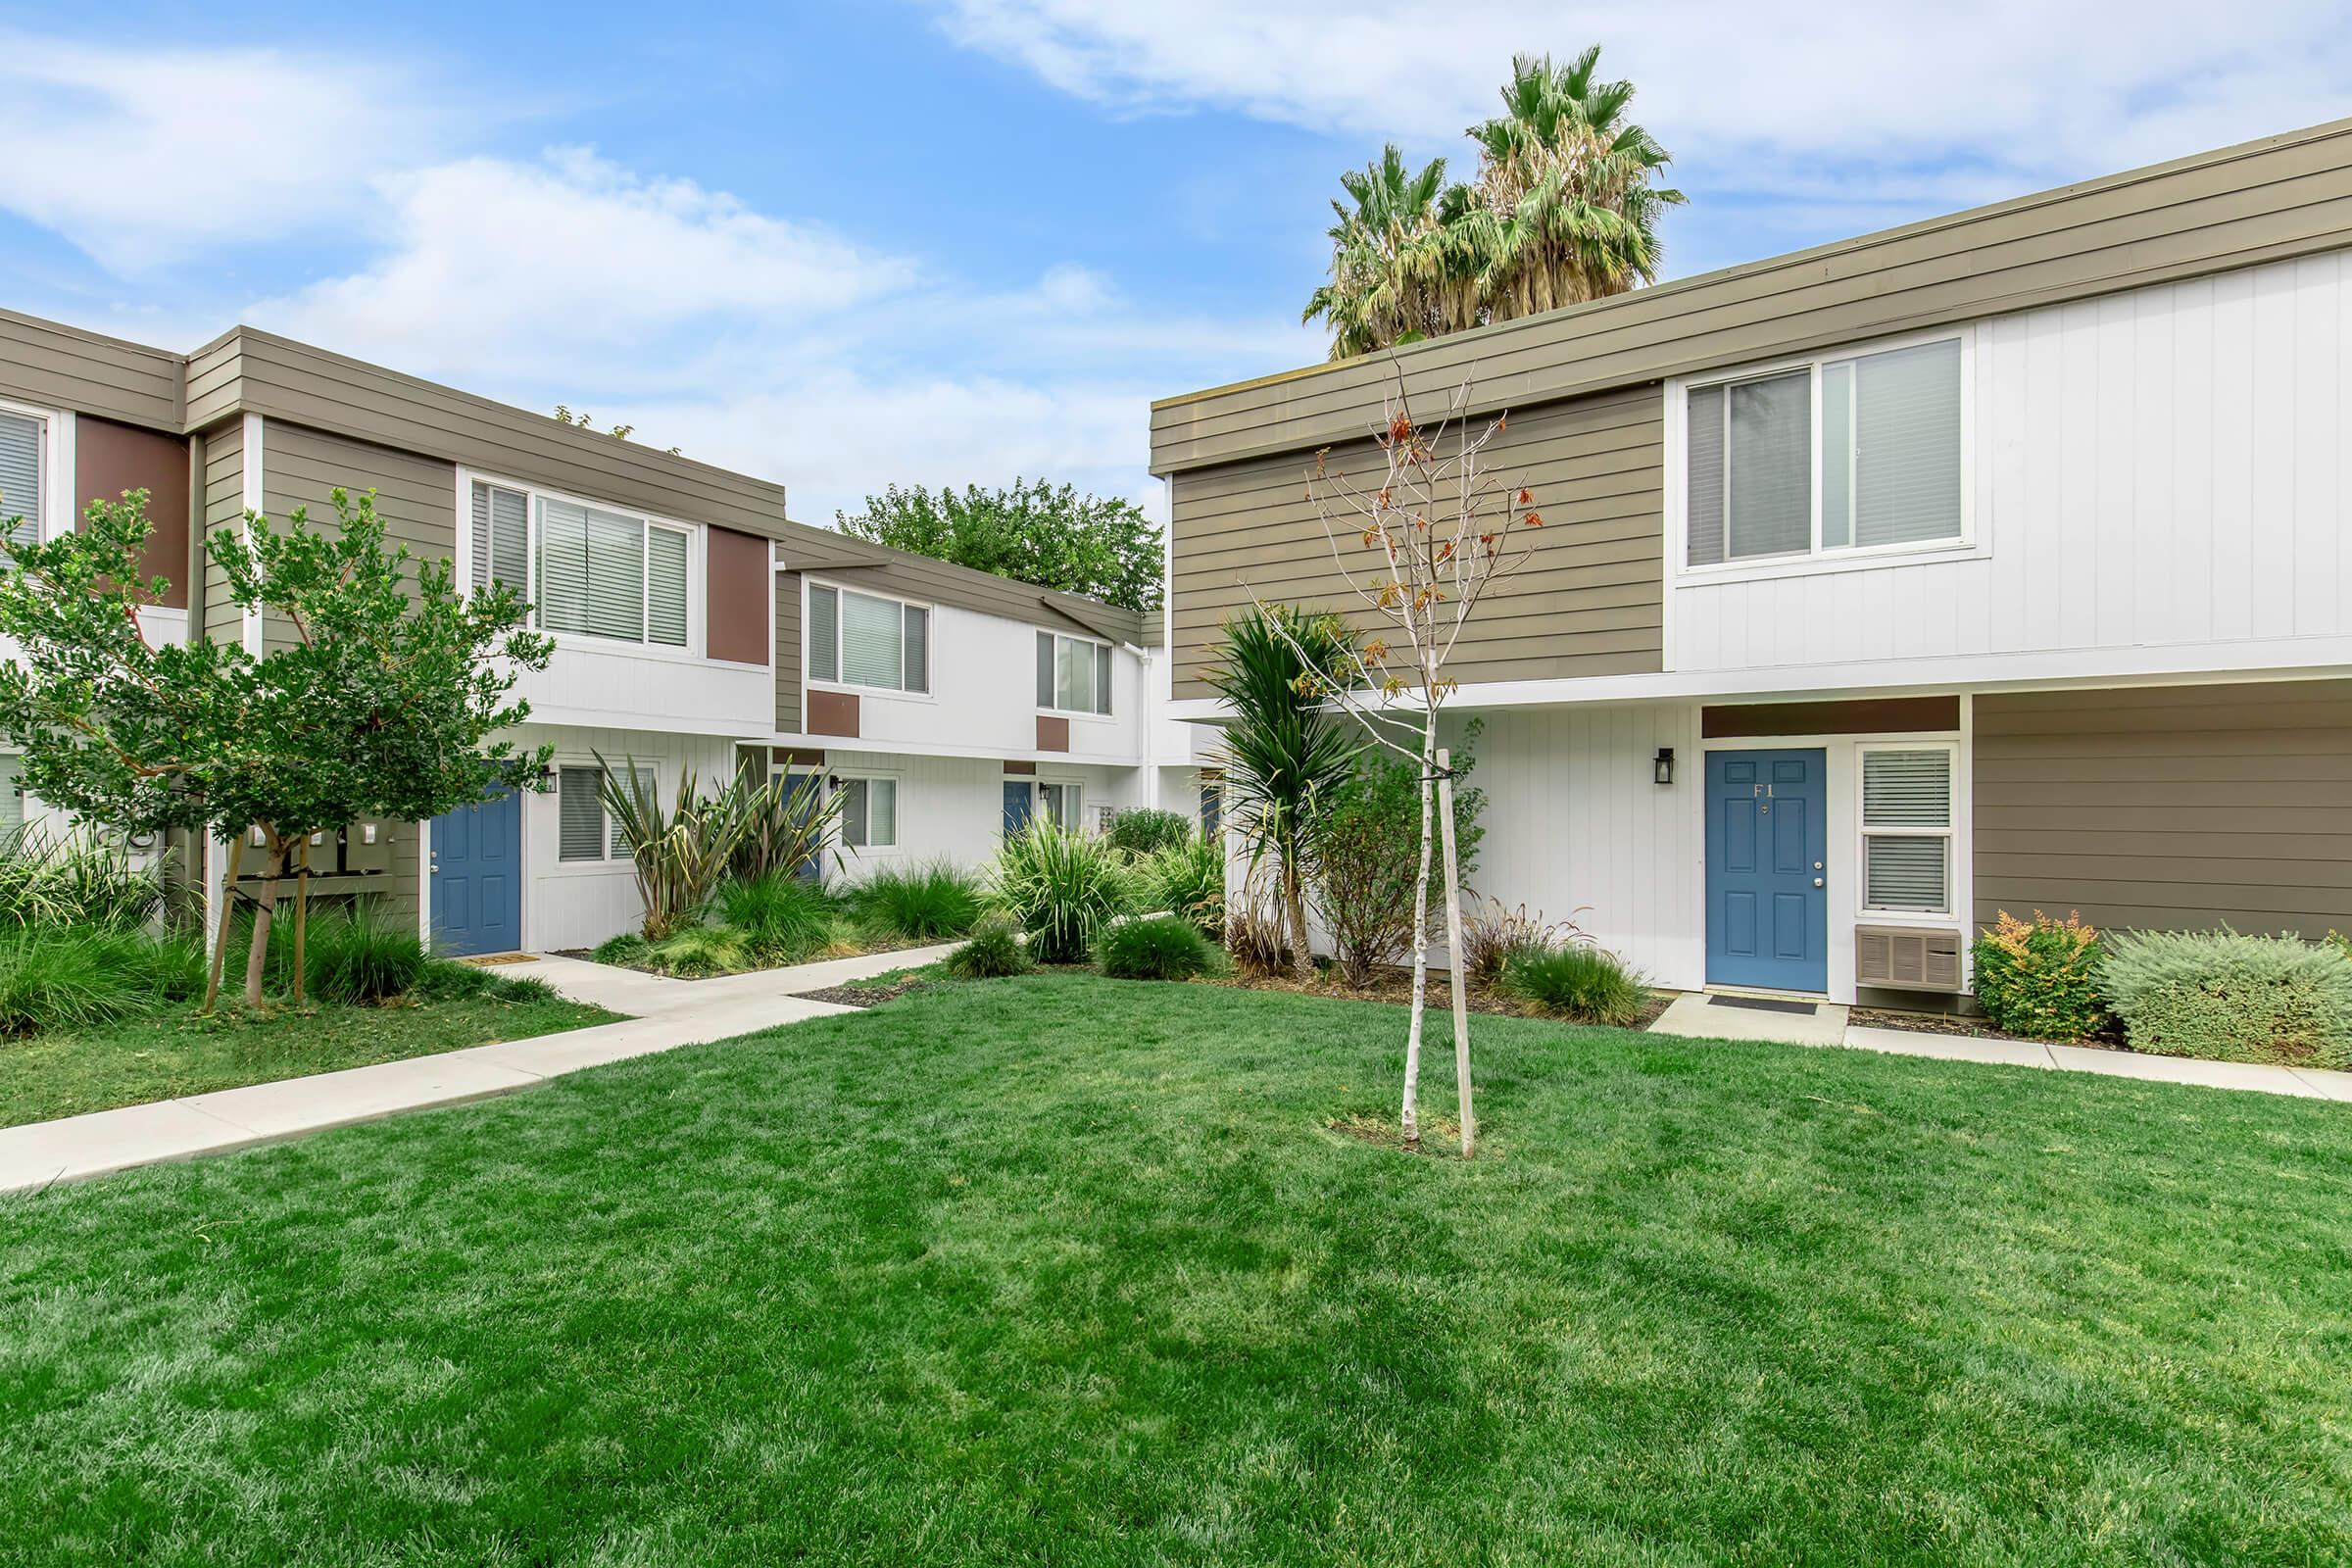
pixel 2231 997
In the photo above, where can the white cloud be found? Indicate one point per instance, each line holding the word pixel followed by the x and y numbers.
pixel 562 261
pixel 2017 92
pixel 143 157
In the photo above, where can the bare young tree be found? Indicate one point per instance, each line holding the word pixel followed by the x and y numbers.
pixel 1430 541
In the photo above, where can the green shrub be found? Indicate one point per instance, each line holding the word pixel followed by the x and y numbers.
pixel 917 904
pixel 1366 851
pixel 783 918
pixel 76 879
pixel 1187 879
pixel 1159 947
pixel 2040 978
pixel 2231 997
pixel 1583 985
pixel 628 950
pixel 700 951
pixel 1146 830
pixel 518 988
pixel 1062 887
pixel 69 977
pixel 1495 933
pixel 994 949
pixel 353 956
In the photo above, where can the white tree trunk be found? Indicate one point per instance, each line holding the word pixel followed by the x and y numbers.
pixel 1454 952
pixel 1413 1038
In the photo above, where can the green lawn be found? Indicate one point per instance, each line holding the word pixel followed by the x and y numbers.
pixel 1062 1271
pixel 172 1053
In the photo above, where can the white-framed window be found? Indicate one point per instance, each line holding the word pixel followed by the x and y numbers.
pixel 870 812
pixel 1062 802
pixel 12 794
pixel 1853 452
pixel 1073 675
pixel 23 473
pixel 591 570
pixel 584 832
pixel 1907 828
pixel 867 639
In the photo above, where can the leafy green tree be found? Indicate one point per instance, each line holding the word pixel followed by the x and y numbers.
pixel 1286 755
pixel 1034 532
pixel 387 699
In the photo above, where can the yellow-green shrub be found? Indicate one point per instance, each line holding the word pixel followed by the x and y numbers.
pixel 2040 978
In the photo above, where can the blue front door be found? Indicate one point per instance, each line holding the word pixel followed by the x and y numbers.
pixel 1767 866
pixel 477 876
pixel 1020 800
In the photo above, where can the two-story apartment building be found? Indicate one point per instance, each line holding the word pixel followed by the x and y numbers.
pixel 698 629
pixel 1993 561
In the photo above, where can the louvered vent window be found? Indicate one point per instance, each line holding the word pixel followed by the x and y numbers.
pixel 1889 447
pixel 1907 829
pixel 22 440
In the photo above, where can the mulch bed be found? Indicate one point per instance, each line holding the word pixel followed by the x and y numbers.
pixel 1393 984
pixel 1961 1023
pixel 864 996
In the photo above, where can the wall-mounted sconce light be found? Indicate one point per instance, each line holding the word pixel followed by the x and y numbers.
pixel 1662 769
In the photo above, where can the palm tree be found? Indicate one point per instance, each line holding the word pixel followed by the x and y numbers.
pixel 1397 273
pixel 1564 209
pixel 1284 754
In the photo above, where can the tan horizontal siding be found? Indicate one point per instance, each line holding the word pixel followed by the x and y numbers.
pixel 1587 601
pixel 2282 196
pixel 787 653
pixel 2167 807
pixel 223 507
pixel 415 496
pixel 58 366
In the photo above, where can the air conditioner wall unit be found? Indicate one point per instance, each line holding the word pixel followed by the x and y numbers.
pixel 1907 958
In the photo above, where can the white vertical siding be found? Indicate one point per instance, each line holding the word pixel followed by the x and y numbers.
pixel 2160 468
pixel 579 904
pixel 952 807
pixel 1577 828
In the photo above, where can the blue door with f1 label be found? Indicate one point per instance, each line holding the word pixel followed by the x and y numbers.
pixel 1768 905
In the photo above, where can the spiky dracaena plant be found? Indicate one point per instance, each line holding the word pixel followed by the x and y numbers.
pixel 1284 756
pixel 682 851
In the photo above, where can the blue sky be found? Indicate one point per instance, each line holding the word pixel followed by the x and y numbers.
pixel 843 244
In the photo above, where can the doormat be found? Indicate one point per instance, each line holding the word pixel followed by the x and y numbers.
pixel 488 960
pixel 1764 1004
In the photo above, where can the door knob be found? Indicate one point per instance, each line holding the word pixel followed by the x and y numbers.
pixel 1818 882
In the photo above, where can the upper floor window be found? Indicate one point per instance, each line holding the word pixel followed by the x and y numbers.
pixel 1073 675
pixel 24 446
pixel 1858 453
pixel 861 640
pixel 593 572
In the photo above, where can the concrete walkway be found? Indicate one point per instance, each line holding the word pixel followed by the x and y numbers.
pixel 663 1014
pixel 1702 1017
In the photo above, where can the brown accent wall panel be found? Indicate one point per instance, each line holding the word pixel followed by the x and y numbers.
pixel 1866 716
pixel 1589 600
pixel 787 653
pixel 2284 195
pixel 1013 769
pixel 110 458
pixel 795 756
pixel 833 714
pixel 736 584
pixel 2168 808
pixel 1053 733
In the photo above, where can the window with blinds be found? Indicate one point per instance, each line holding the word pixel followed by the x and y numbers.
pixel 1888 452
pixel 22 441
pixel 870 813
pixel 609 574
pixel 579 815
pixel 1907 829
pixel 857 639
pixel 1073 675
pixel 12 795
pixel 500 548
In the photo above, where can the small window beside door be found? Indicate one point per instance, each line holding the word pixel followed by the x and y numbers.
pixel 1060 803
pixel 870 813
pixel 1907 830
pixel 583 830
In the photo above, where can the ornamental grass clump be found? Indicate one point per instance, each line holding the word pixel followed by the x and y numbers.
pixel 783 918
pixel 1062 887
pixel 355 956
pixel 69 977
pixel 2040 978
pixel 917 904
pixel 75 878
pixel 993 950
pixel 1582 985
pixel 1187 879
pixel 1159 947
pixel 2231 997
